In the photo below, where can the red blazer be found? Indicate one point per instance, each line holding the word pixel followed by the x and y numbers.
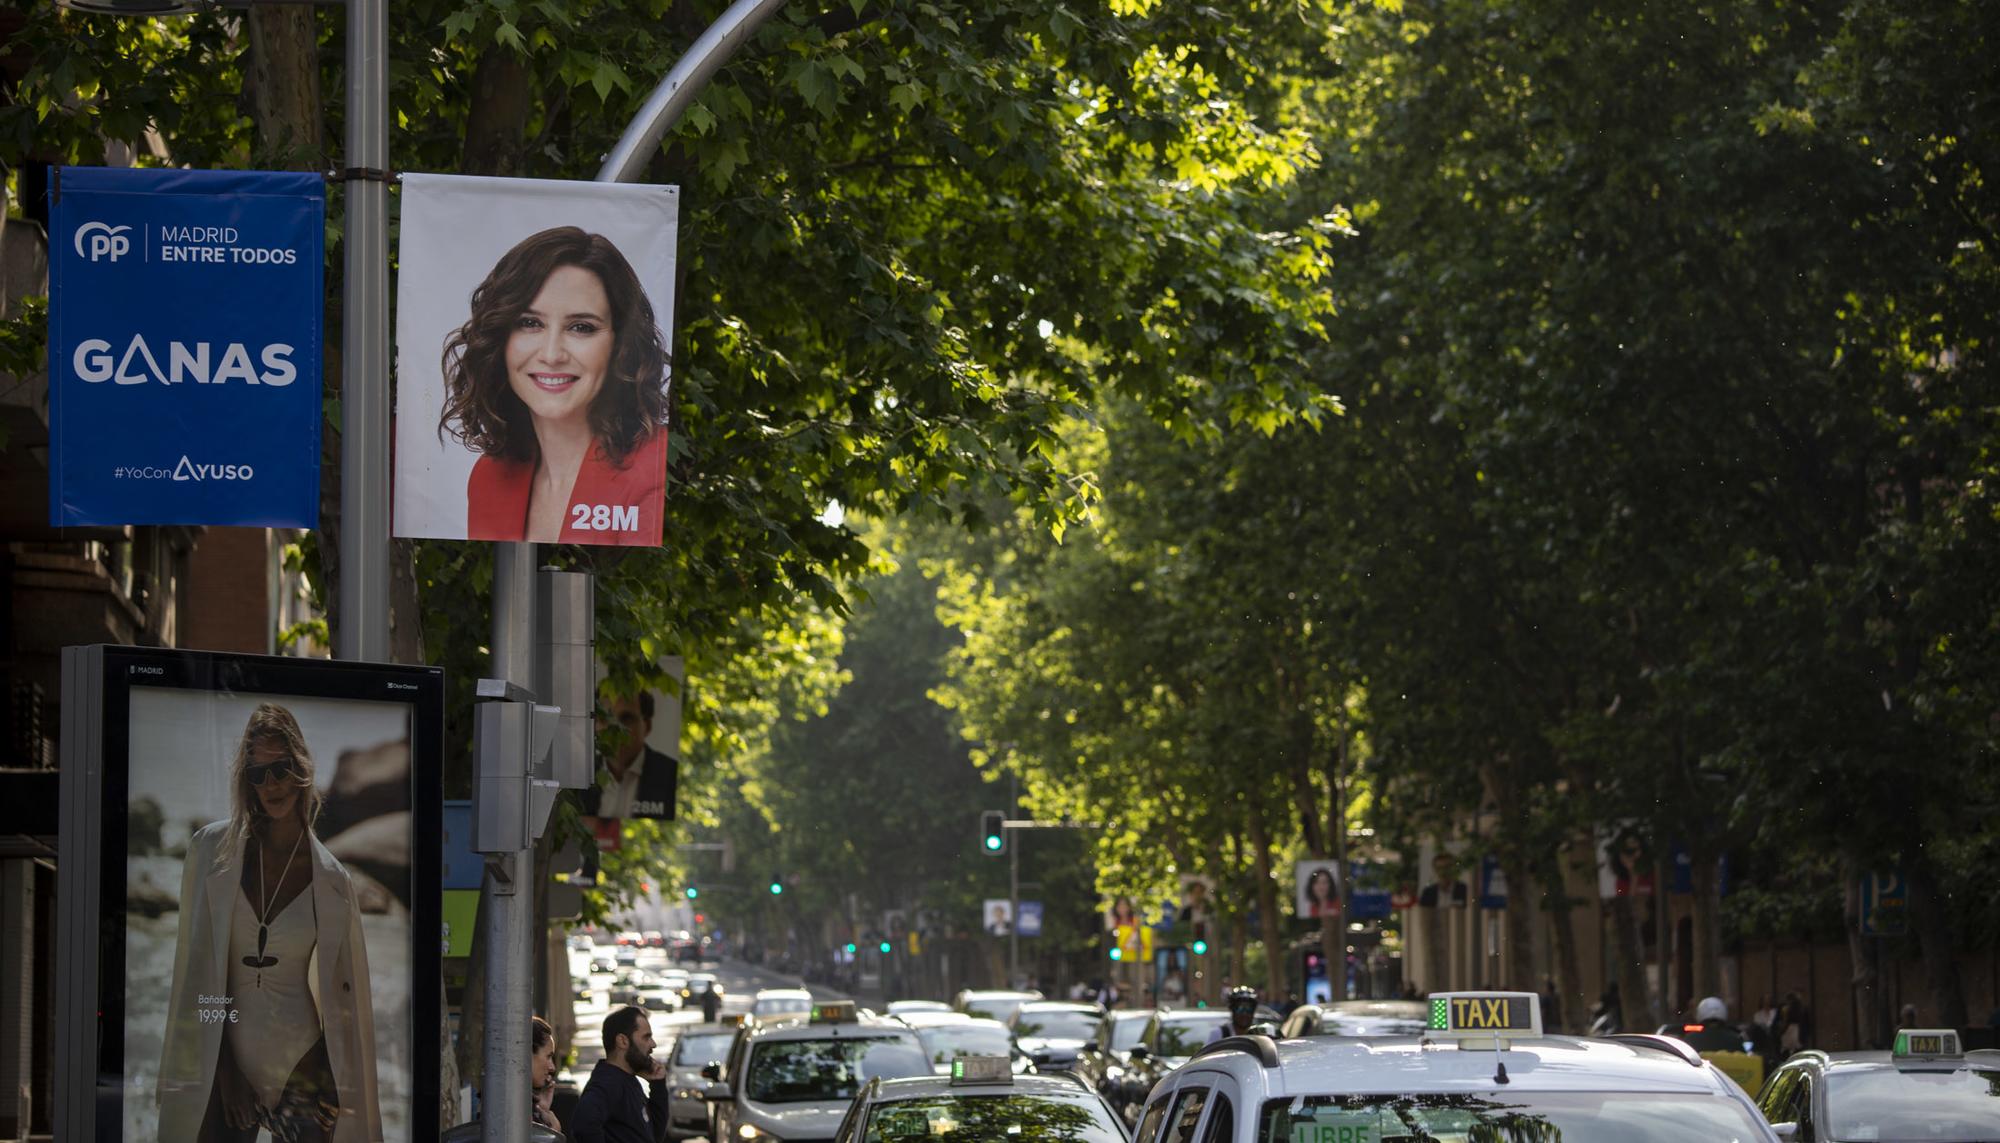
pixel 608 505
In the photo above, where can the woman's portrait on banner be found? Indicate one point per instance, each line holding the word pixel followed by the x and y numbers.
pixel 1318 889
pixel 267 966
pixel 544 388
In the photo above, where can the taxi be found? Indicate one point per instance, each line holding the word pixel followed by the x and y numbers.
pixel 1482 1071
pixel 791 1081
pixel 981 1100
pixel 1925 1087
pixel 780 1003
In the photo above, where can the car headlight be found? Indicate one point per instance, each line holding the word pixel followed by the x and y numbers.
pixel 749 1131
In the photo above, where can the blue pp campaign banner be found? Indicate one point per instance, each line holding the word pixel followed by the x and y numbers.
pixel 185 315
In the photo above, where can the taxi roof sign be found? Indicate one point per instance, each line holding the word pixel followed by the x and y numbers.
pixel 982 1069
pixel 1926 1044
pixel 1485 1016
pixel 836 1012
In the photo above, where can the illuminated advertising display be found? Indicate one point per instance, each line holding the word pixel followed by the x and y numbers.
pixel 249 923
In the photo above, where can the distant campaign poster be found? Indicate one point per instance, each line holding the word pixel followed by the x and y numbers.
pixel 250 916
pixel 533 326
pixel 185 324
pixel 1317 889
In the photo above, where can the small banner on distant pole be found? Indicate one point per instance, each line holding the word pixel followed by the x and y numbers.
pixel 185 314
pixel 533 320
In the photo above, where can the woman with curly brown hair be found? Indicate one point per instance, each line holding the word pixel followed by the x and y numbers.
pixel 558 379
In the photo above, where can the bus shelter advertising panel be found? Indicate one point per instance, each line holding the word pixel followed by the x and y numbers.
pixel 249 917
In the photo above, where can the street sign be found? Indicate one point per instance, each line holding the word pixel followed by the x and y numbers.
pixel 185 315
pixel 1885 904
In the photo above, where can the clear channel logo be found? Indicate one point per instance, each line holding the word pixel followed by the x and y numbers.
pixel 101 240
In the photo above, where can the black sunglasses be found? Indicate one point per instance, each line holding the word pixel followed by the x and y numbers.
pixel 281 769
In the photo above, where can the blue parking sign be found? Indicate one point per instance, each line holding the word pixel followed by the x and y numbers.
pixel 185 318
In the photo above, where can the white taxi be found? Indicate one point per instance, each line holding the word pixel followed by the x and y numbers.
pixel 791 1081
pixel 1925 1087
pixel 1482 1072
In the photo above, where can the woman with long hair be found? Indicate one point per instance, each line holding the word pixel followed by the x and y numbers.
pixel 269 1025
pixel 559 380
pixel 1322 894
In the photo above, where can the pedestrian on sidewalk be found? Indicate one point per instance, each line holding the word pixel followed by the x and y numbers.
pixel 616 1107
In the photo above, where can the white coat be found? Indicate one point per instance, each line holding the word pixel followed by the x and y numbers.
pixel 201 967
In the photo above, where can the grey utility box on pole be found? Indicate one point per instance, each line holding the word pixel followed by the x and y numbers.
pixel 513 791
pixel 566 671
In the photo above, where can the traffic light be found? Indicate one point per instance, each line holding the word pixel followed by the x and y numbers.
pixel 992 832
pixel 777 885
pixel 887 947
pixel 701 918
pixel 1117 953
pixel 850 948
pixel 1200 946
pixel 692 892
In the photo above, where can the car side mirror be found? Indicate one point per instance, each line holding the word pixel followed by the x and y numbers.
pixel 1785 1130
pixel 711 1070
pixel 716 1093
pixel 1139 1052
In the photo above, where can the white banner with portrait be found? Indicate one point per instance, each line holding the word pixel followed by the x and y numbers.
pixel 533 323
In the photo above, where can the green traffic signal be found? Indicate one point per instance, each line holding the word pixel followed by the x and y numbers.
pixel 1200 947
pixel 850 946
pixel 1117 953
pixel 885 946
pixel 776 888
pixel 693 892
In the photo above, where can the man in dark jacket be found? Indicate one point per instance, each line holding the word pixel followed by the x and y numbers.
pixel 643 781
pixel 615 1106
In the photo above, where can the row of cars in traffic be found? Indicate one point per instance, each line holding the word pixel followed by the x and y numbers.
pixel 1460 1067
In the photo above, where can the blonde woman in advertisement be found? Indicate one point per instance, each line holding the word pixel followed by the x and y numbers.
pixel 269 1027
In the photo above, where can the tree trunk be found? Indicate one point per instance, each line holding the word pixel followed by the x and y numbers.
pixel 1519 918
pixel 1707 905
pixel 282 81
pixel 1267 901
pixel 1871 1000
pixel 1569 967
pixel 496 124
pixel 1634 998
pixel 1932 923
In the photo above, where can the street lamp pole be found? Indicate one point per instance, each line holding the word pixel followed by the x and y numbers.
pixel 363 633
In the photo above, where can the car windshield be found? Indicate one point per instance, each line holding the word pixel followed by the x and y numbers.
pixel 778 1005
pixel 1891 1105
pixel 1060 1024
pixel 1523 1117
pixel 1125 1033
pixel 990 1119
pixel 945 1041
pixel 1183 1035
pixel 995 1007
pixel 808 1071
pixel 702 1048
